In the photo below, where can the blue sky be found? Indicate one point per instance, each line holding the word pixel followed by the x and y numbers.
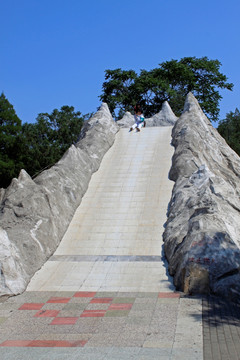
pixel 55 52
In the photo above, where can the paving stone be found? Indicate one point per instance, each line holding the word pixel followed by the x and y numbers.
pixel 155 353
pixel 79 300
pixel 100 306
pixel 105 300
pixel 2 320
pixel 110 294
pixel 123 300
pixel 86 325
pixel 143 306
pixel 111 325
pixel 9 306
pixel 64 294
pixel 53 306
pixel 186 354
pixel 129 294
pixel 117 313
pixel 70 313
pixel 141 313
pixel 220 329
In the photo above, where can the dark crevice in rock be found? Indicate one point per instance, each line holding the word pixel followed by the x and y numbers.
pixel 229 273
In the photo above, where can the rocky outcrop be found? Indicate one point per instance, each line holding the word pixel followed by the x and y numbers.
pixel 127 121
pixel 165 117
pixel 202 235
pixel 36 213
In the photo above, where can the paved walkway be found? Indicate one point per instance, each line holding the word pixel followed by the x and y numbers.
pixel 106 293
pixel 221 329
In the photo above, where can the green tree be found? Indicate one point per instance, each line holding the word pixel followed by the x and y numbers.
pixel 119 91
pixel 229 128
pixel 171 81
pixel 10 142
pixel 48 138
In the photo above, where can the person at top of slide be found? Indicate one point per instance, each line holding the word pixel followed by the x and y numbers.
pixel 139 118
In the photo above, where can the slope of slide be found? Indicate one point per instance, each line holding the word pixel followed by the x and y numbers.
pixel 114 242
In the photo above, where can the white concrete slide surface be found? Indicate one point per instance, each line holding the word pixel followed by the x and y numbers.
pixel 114 242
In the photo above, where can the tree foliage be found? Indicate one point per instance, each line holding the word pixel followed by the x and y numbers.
pixel 35 146
pixel 47 139
pixel 229 128
pixel 171 81
pixel 10 143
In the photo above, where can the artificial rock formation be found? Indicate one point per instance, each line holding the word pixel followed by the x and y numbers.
pixel 36 213
pixel 127 121
pixel 165 117
pixel 202 235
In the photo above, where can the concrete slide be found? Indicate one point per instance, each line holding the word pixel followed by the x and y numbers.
pixel 114 242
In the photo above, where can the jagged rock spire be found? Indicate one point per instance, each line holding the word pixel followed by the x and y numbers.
pixel 165 117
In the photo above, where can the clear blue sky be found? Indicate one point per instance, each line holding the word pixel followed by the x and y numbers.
pixel 55 52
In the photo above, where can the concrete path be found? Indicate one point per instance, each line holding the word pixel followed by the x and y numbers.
pixel 106 293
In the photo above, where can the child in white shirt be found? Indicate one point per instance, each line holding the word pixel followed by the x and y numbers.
pixel 139 118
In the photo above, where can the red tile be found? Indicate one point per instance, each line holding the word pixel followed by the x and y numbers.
pixel 101 301
pixel 17 343
pixel 64 321
pixel 79 343
pixel 168 295
pixel 120 307
pixel 93 313
pixel 31 306
pixel 43 343
pixel 84 294
pixel 58 300
pixel 47 313
pixel 49 343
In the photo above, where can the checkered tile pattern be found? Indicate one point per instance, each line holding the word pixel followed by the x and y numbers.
pixel 58 313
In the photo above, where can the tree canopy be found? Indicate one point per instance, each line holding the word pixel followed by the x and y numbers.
pixel 46 140
pixel 229 128
pixel 35 146
pixel 171 81
pixel 10 133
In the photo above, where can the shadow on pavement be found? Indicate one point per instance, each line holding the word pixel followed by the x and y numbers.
pixel 218 311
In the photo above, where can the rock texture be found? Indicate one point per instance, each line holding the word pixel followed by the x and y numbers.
pixel 127 121
pixel 202 235
pixel 36 213
pixel 165 117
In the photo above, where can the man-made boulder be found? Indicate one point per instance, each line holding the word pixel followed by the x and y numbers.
pixel 202 235
pixel 127 121
pixel 165 117
pixel 36 213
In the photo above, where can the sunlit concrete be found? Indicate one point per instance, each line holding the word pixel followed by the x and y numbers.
pixel 122 214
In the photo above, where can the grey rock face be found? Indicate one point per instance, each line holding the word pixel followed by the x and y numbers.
pixel 126 121
pixel 202 235
pixel 36 213
pixel 165 117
